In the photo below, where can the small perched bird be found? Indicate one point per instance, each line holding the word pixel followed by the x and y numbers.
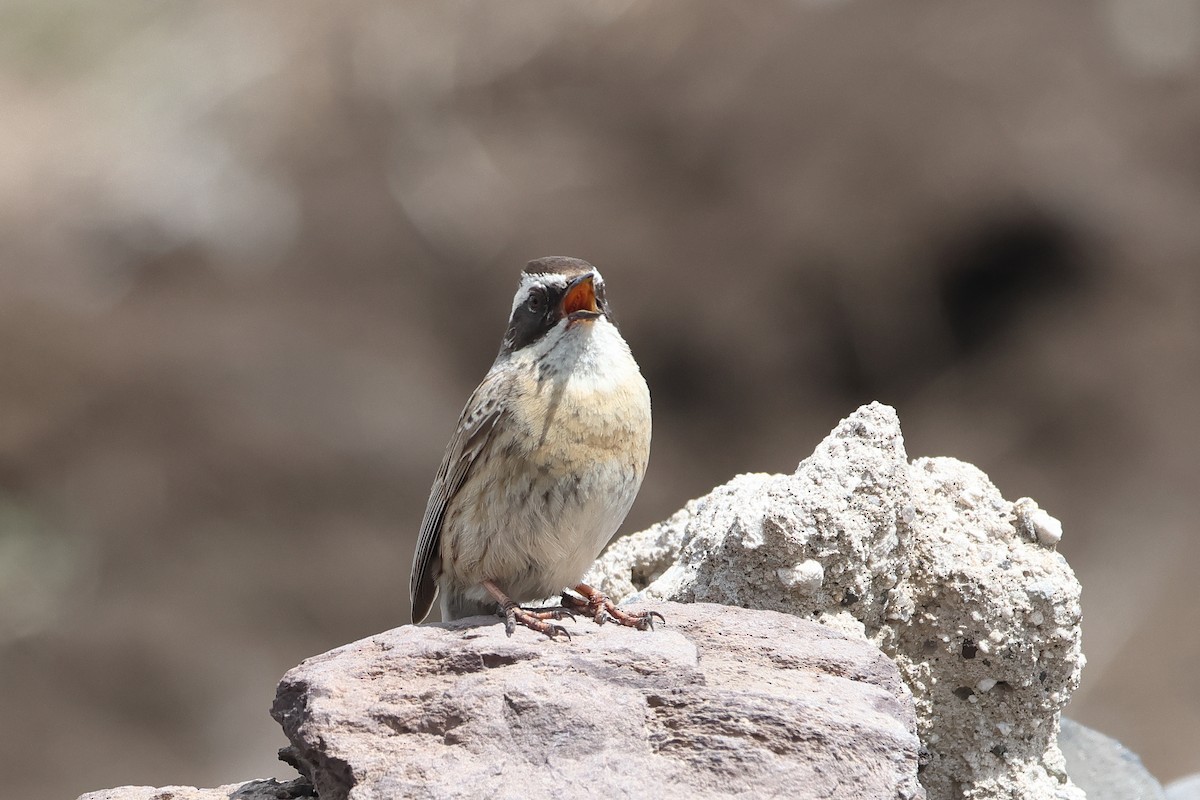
pixel 547 458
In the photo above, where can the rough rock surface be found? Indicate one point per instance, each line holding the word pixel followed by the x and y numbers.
pixel 963 589
pixel 721 702
pixel 250 790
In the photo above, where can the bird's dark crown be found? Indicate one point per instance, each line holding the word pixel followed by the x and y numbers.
pixel 558 265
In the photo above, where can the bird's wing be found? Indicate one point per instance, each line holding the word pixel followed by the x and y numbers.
pixel 483 410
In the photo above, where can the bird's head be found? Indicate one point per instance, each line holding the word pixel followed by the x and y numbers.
pixel 556 294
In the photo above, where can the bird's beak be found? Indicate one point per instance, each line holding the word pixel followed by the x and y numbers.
pixel 579 301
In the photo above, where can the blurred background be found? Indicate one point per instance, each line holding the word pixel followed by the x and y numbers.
pixel 254 257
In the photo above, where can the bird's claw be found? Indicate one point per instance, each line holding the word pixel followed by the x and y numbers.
pixel 534 621
pixel 602 610
pixel 645 620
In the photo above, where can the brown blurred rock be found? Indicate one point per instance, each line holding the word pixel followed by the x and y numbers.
pixel 1103 767
pixel 723 701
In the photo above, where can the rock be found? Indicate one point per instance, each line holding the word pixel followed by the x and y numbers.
pixel 720 702
pixel 1036 522
pixel 945 612
pixel 1103 767
pixel 250 790
pixel 1186 788
pixel 926 560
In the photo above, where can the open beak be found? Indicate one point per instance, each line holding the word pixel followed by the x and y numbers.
pixel 579 301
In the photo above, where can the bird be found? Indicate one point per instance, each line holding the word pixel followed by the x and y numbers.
pixel 548 456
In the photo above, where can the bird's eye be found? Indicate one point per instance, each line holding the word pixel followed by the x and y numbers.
pixel 536 301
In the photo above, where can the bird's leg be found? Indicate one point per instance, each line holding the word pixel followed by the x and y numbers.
pixel 596 605
pixel 514 614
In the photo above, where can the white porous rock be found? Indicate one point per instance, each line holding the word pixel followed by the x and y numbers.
pixel 927 560
pixel 1036 522
pixel 821 543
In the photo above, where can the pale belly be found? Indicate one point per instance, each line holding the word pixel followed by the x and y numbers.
pixel 571 472
pixel 537 531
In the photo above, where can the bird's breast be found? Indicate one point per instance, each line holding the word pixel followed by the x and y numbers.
pixel 578 419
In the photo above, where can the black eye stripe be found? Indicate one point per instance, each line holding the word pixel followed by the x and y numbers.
pixel 540 309
pixel 532 319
